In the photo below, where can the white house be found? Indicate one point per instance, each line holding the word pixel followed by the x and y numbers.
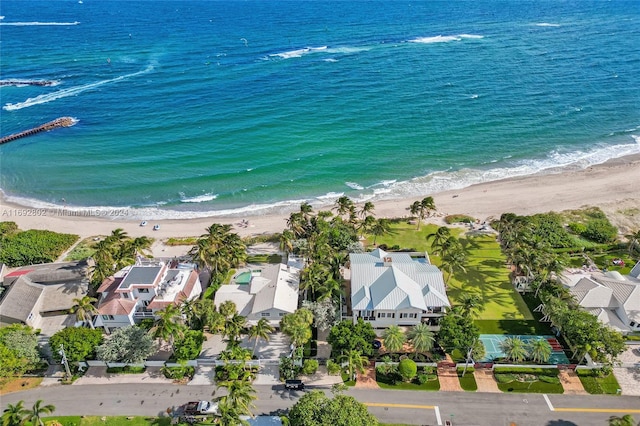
pixel 394 288
pixel 269 292
pixel 610 296
pixel 137 292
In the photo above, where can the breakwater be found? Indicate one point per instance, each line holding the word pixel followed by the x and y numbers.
pixel 58 122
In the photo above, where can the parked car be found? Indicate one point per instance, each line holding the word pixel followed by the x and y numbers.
pixel 143 223
pixel 200 407
pixel 156 227
pixel 294 384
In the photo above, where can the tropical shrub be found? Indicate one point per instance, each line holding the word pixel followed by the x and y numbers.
pixel 127 344
pixel 310 366
pixel 600 231
pixel 18 350
pixel 189 345
pixel 177 373
pixel 333 368
pixel 79 343
pixel 407 369
pixel 33 246
pixel 346 335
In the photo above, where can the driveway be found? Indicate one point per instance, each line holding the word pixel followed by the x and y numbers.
pixel 628 374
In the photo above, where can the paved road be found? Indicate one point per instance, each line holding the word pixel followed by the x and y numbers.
pixel 416 408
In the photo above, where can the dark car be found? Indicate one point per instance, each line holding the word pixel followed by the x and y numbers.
pixel 294 384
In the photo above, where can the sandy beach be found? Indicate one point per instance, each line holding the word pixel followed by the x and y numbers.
pixel 613 186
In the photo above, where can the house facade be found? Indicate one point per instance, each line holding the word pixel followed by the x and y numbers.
pixel 268 292
pixel 41 296
pixel 139 291
pixel 613 298
pixel 396 289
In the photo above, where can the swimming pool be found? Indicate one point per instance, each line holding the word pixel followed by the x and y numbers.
pixel 243 278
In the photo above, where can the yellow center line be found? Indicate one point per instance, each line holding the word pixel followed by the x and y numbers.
pixel 386 404
pixel 597 410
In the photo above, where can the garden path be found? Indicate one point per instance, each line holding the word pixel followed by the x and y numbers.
pixel 571 383
pixel 367 380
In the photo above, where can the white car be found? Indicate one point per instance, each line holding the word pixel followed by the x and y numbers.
pixel 156 227
pixel 143 223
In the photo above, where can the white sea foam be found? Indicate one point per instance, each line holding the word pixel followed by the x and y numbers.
pixel 444 39
pixel 330 196
pixel 546 24
pixel 72 91
pixel 31 24
pixel 299 52
pixel 354 185
pixel 200 198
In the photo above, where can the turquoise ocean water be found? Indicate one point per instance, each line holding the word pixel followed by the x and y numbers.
pixel 192 108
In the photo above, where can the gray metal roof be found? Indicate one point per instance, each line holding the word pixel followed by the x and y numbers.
pixel 394 281
pixel 142 275
pixel 635 271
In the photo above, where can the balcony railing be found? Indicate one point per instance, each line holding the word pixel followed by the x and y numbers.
pixel 143 314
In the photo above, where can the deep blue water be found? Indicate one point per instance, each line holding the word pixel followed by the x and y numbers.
pixel 197 107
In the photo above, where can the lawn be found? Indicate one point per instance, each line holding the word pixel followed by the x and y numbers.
pixel 110 421
pixel 468 381
pixel 598 385
pixel 528 380
pixel 264 258
pixel 486 272
pixel 393 381
pixel 19 384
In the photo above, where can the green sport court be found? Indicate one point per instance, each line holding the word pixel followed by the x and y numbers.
pixel 493 347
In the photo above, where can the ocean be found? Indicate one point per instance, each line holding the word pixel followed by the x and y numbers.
pixel 191 108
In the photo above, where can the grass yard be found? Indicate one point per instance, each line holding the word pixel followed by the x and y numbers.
pixel 596 385
pixel 468 381
pixel 264 258
pixel 109 421
pixel 486 272
pixel 528 380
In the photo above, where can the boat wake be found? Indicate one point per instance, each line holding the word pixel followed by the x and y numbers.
pixel 72 91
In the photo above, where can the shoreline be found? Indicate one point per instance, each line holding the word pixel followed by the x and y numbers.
pixel 608 185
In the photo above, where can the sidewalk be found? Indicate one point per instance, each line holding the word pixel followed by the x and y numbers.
pixel 99 375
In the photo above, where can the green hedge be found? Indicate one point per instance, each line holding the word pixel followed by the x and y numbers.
pixel 177 373
pixel 33 246
pixel 527 370
pixel 127 369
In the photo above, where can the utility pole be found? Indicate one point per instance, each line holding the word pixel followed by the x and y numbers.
pixel 64 361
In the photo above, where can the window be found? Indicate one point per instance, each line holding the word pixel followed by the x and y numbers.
pixel 408 315
pixel 633 324
pixel 143 290
pixel 403 315
pixel 282 314
pixel 265 314
pixel 108 317
pixel 125 295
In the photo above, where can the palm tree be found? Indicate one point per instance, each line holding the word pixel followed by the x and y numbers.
pixel 415 209
pixel 286 241
pixel 634 242
pixel 366 209
pixel 219 249
pixel 234 327
pixel 343 205
pixel 471 304
pixel 626 420
pixel 13 415
pixel 380 227
pixel 394 338
pixel 228 309
pixel 297 326
pixel 539 350
pixel 34 416
pixel 240 393
pixel 260 331
pixel 455 258
pixel 439 237
pixel 229 416
pixel 168 325
pixel 355 362
pixel 515 349
pixel 84 309
pixel 421 338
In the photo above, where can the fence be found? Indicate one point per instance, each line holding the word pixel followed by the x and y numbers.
pixel 191 363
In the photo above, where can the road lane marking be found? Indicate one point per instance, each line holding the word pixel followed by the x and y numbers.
pixel 438 415
pixel 546 398
pixel 387 404
pixel 599 410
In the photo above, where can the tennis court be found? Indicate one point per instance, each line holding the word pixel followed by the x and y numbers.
pixel 493 347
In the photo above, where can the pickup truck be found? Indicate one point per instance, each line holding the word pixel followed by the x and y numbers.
pixel 195 408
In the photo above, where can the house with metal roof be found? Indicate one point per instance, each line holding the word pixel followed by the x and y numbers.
pixel 394 288
pixel 610 296
pixel 269 292
pixel 41 295
pixel 137 292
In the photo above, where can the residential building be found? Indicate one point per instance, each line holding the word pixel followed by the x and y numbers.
pixel 137 292
pixel 610 296
pixel 269 292
pixel 394 288
pixel 42 295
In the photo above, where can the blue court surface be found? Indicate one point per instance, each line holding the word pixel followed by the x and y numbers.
pixel 492 344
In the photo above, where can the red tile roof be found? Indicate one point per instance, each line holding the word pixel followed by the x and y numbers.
pixel 19 273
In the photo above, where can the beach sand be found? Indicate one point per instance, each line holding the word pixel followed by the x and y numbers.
pixel 613 186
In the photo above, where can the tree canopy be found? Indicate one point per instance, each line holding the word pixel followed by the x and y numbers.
pixel 346 335
pixel 18 350
pixel 129 344
pixel 316 409
pixel 79 343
